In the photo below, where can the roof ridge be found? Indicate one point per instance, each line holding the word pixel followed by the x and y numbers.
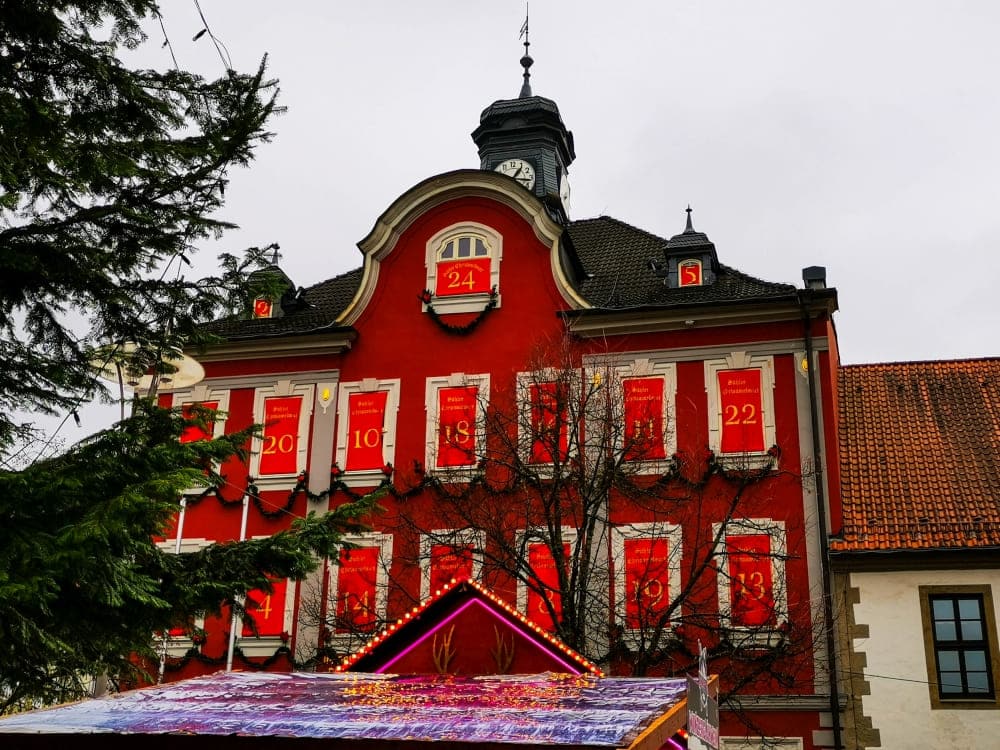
pixel 620 223
pixel 909 362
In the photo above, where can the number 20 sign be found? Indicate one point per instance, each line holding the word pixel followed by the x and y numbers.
pixel 280 442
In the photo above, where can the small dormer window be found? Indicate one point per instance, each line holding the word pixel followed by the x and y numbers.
pixel 689 273
pixel 463 268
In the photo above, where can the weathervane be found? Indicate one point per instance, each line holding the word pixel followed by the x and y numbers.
pixel 526 61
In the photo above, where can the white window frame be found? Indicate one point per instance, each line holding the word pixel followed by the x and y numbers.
pixel 282 389
pixel 463 303
pixel 749 636
pixel 433 388
pixel 454 537
pixel 569 536
pixel 346 641
pixel 266 645
pixel 201 394
pixel 651 530
pixel 368 385
pixel 740 361
pixel 177 646
pixel 525 438
pixel 647 368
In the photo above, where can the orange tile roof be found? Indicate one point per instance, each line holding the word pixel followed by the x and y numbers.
pixel 920 455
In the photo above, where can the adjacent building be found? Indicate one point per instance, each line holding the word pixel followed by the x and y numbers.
pixel 917 560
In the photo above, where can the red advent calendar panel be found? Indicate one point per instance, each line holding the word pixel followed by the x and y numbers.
pixel 647 574
pixel 280 450
pixel 449 561
pixel 470 276
pixel 742 411
pixel 689 273
pixel 548 422
pixel 643 419
pixel 356 589
pixel 751 588
pixel 267 610
pixel 193 433
pixel 365 426
pixel 543 566
pixel 457 426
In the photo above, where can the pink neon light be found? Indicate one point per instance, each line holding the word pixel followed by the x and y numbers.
pixel 385 668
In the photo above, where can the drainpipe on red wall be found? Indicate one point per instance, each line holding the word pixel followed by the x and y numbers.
pixel 805 297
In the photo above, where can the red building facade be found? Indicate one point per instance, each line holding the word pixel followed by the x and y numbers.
pixel 615 430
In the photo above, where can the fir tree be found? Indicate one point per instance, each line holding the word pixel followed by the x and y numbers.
pixel 109 179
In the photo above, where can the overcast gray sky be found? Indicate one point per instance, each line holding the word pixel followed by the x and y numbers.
pixel 863 136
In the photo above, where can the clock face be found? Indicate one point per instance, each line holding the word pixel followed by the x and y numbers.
pixel 564 192
pixel 520 170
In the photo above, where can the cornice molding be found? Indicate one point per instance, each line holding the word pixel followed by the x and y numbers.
pixel 653 320
pixel 277 346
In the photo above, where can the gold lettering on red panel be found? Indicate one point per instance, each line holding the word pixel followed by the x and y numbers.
pixel 365 428
pixel 470 276
pixel 267 610
pixel 643 419
pixel 742 411
pixel 689 273
pixel 280 450
pixel 356 590
pixel 457 408
pixel 548 422
pixel 449 561
pixel 194 432
pixel 751 588
pixel 647 575
pixel 543 568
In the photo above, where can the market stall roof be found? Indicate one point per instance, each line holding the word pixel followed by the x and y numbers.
pixel 367 712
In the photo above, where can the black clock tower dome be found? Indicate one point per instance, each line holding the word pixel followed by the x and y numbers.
pixel 527 129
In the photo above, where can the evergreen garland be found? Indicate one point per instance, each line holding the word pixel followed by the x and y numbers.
pixel 427 297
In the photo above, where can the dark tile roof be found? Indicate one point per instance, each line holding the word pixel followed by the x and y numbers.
pixel 323 303
pixel 616 257
pixel 920 455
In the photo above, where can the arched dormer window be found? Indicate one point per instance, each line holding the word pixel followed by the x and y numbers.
pixel 463 266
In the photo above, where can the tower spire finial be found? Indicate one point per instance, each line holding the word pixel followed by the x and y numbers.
pixel 689 227
pixel 526 61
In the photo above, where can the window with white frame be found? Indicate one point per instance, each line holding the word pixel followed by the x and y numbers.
pixel 447 554
pixel 753 594
pixel 631 405
pixel 178 639
pixel 463 267
pixel 215 399
pixel 740 391
pixel 366 428
pixel 281 451
pixel 541 601
pixel 271 615
pixel 647 574
pixel 546 432
pixel 456 434
pixel 358 587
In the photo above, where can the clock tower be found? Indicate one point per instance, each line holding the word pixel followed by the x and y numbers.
pixel 525 138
